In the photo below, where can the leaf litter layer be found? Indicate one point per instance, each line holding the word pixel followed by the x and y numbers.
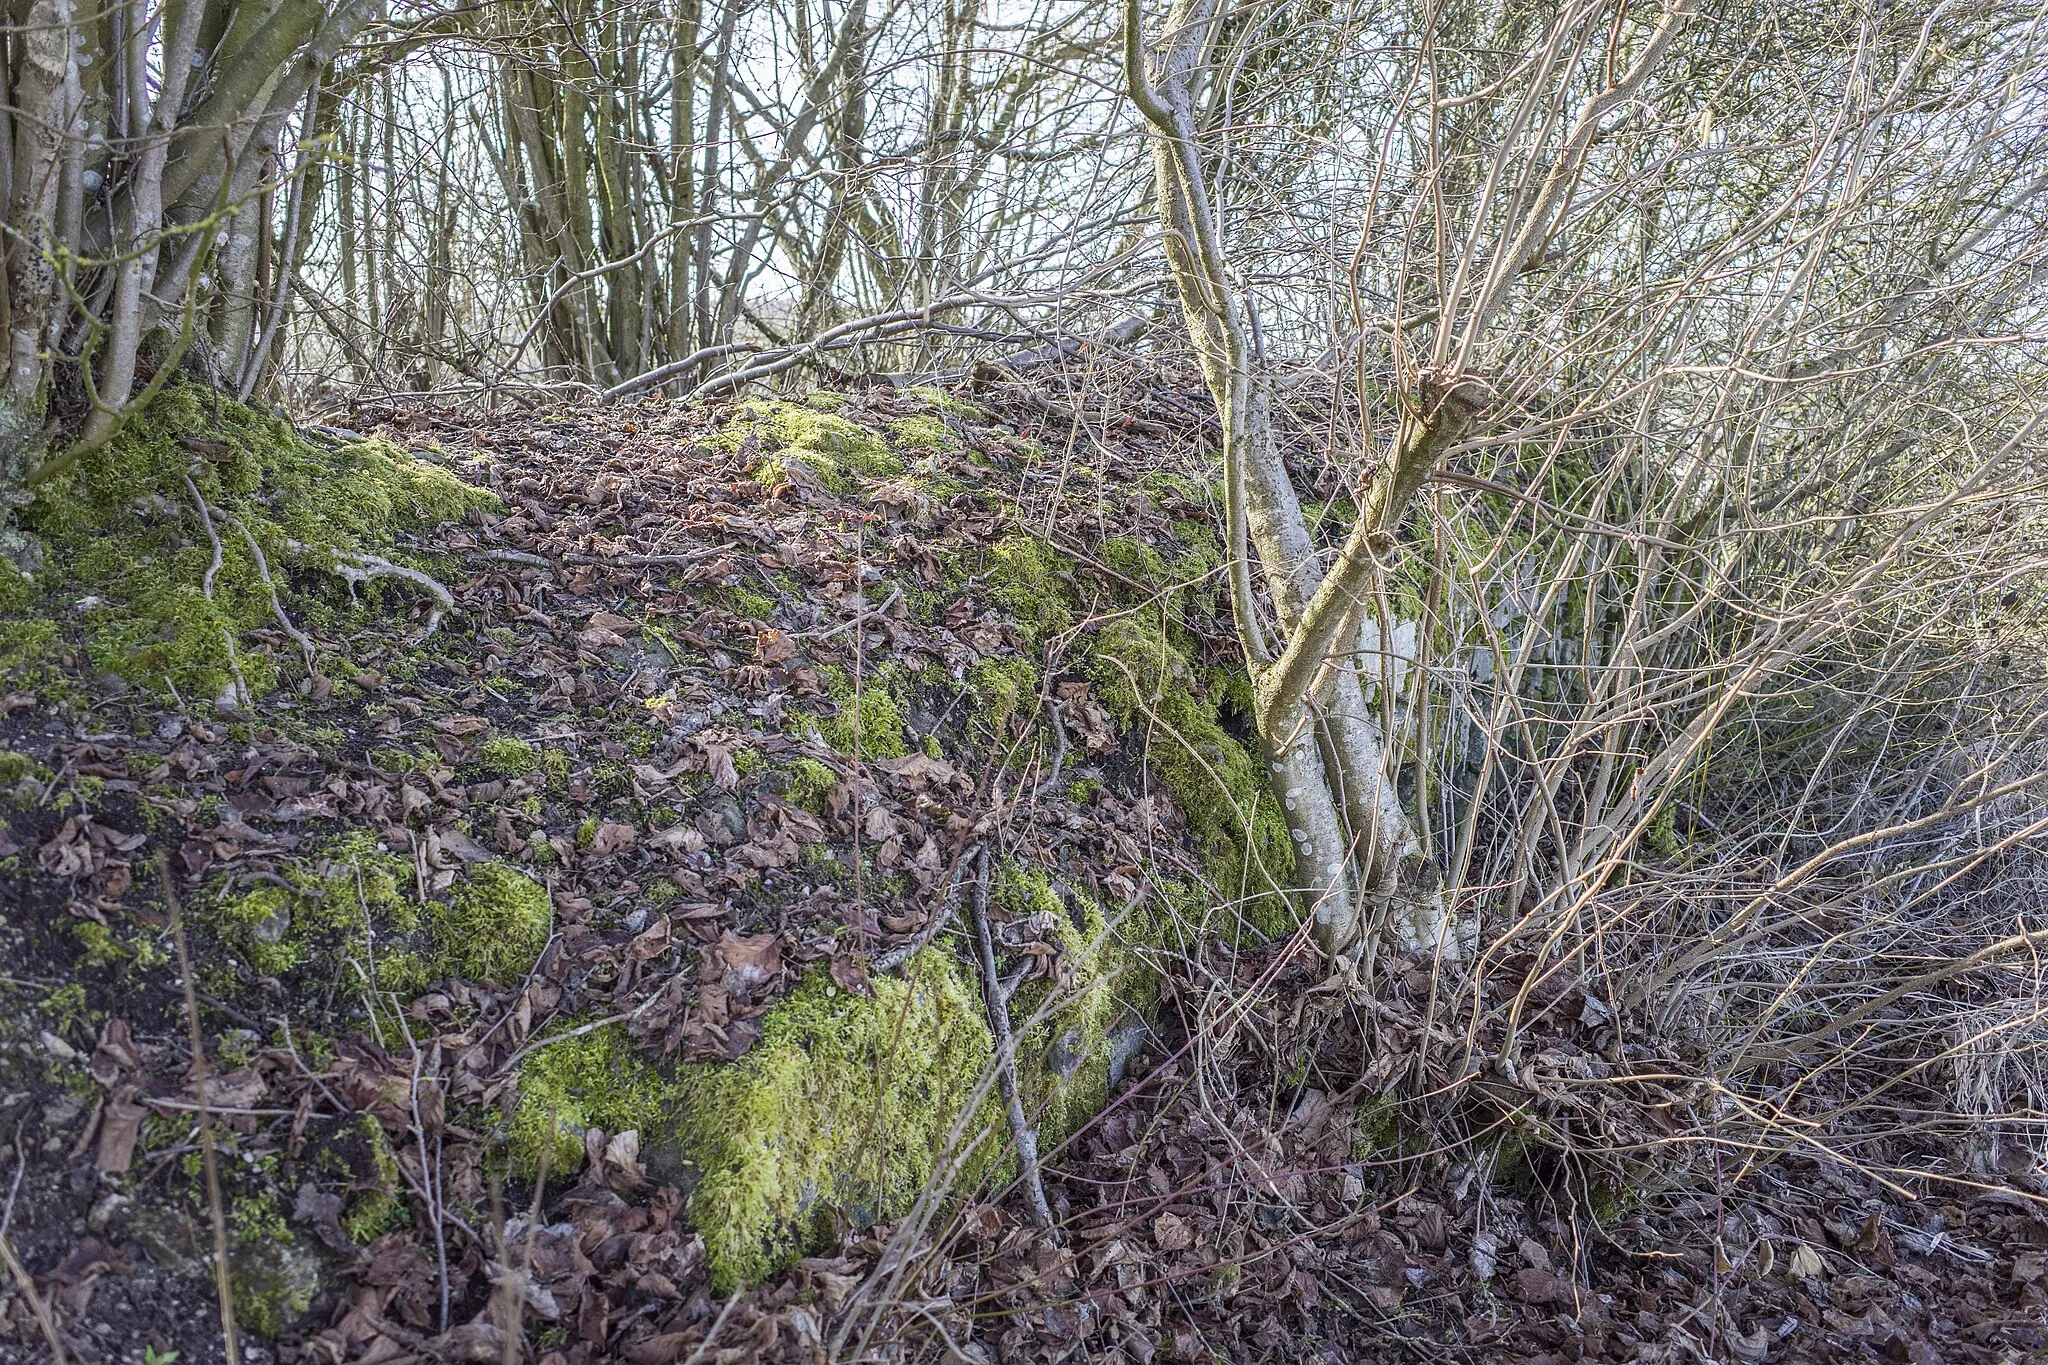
pixel 631 898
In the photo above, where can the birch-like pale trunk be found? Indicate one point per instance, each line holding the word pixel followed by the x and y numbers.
pixel 1362 873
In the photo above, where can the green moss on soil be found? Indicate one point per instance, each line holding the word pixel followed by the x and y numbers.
pixel 507 756
pixel 129 553
pixel 870 717
pixel 494 925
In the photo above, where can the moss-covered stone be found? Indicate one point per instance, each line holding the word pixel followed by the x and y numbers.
pixel 381 1207
pixel 589 1080
pixel 1072 1049
pixel 319 905
pixel 494 925
pixel 1148 683
pixel 847 1102
pixel 272 1277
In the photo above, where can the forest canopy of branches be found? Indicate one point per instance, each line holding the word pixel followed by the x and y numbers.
pixel 1592 453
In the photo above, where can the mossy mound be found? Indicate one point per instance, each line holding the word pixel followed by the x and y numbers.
pixel 493 926
pixel 847 1102
pixel 133 554
pixel 801 441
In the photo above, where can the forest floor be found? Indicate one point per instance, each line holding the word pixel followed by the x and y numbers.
pixel 746 717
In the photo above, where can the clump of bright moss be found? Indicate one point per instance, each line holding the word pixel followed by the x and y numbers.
pixel 833 449
pixel 507 756
pixel 1025 576
pixel 922 432
pixel 320 905
pixel 589 1080
pixel 870 719
pixel 125 538
pixel 494 925
pixel 952 405
pixel 1148 683
pixel 1004 687
pixel 846 1102
pixel 809 780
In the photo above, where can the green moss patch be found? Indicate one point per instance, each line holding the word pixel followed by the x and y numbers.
pixel 1149 684
pixel 319 905
pixel 507 756
pixel 131 554
pixel 870 717
pixel 922 432
pixel 583 1081
pixel 800 439
pixel 1029 579
pixel 846 1102
pixel 494 925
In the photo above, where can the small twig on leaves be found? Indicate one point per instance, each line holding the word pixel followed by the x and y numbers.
pixel 859 618
pixel 229 1341
pixel 997 1000
pixel 903 952
pixel 716 1323
pixel 35 1300
pixel 1059 730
